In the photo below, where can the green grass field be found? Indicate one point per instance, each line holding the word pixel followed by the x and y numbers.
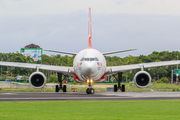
pixel 91 110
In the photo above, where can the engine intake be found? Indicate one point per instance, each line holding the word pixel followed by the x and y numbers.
pixel 37 80
pixel 142 79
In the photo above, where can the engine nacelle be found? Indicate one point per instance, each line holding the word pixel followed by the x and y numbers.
pixel 37 80
pixel 142 79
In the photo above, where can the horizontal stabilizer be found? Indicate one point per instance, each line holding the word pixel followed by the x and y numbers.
pixel 60 52
pixel 118 51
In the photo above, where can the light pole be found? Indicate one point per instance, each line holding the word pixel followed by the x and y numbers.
pixel 7 66
pixel 177 59
pixel 177 80
pixel 1 69
pixel 120 61
pixel 172 76
pixel 126 79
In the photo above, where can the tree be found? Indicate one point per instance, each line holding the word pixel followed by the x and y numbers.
pixel 163 80
pixel 110 61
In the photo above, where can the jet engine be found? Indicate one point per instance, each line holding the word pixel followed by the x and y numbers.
pixel 37 80
pixel 142 79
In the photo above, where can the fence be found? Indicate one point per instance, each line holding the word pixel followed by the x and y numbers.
pixel 20 81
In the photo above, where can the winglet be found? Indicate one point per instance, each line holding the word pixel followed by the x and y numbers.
pixel 89 29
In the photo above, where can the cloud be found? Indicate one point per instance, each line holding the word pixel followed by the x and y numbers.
pixel 9 8
pixel 116 25
pixel 109 32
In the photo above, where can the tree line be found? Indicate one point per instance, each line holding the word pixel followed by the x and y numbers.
pixel 59 60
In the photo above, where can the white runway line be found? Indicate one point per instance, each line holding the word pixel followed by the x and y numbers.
pixel 9 93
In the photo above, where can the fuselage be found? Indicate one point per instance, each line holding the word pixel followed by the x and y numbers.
pixel 89 64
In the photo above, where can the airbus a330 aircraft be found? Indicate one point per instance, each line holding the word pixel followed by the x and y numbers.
pixel 89 66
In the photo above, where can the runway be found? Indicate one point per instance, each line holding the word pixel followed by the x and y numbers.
pixel 51 96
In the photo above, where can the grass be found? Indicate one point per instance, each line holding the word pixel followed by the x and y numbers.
pixel 91 110
pixel 130 87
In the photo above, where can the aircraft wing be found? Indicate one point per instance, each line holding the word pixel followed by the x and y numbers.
pixel 107 53
pixel 61 69
pixel 115 69
pixel 70 53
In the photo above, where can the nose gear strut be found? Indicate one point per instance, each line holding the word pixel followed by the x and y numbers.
pixel 90 90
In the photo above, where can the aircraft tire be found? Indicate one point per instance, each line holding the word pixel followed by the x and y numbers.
pixel 92 91
pixel 123 88
pixel 88 91
pixel 57 88
pixel 115 88
pixel 64 88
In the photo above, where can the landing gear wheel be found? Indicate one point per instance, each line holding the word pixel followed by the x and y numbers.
pixel 87 91
pixel 91 91
pixel 123 88
pixel 57 88
pixel 64 88
pixel 115 88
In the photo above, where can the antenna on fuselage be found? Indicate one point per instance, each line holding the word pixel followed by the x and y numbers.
pixel 89 29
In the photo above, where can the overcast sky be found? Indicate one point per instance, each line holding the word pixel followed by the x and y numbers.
pixel 148 25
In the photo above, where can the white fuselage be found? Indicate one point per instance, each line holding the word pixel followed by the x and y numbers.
pixel 89 64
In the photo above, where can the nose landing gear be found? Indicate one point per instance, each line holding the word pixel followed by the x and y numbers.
pixel 90 90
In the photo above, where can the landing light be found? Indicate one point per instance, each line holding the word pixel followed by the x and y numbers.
pixel 91 80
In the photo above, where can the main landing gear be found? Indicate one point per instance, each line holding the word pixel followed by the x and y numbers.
pixel 60 87
pixel 119 86
pixel 90 90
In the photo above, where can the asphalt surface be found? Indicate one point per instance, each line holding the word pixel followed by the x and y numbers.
pixel 49 96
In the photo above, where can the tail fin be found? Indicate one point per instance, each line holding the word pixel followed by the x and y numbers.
pixel 89 29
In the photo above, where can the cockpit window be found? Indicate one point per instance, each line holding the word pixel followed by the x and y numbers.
pixel 92 59
pixel 96 59
pixel 89 59
pixel 86 59
pixel 82 59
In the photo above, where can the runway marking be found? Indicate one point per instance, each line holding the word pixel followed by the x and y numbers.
pixel 8 93
pixel 109 94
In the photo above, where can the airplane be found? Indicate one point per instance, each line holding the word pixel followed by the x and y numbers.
pixel 89 66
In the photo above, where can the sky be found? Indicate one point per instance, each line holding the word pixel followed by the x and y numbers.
pixel 148 25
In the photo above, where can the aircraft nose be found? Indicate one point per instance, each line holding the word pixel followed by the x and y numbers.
pixel 89 68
